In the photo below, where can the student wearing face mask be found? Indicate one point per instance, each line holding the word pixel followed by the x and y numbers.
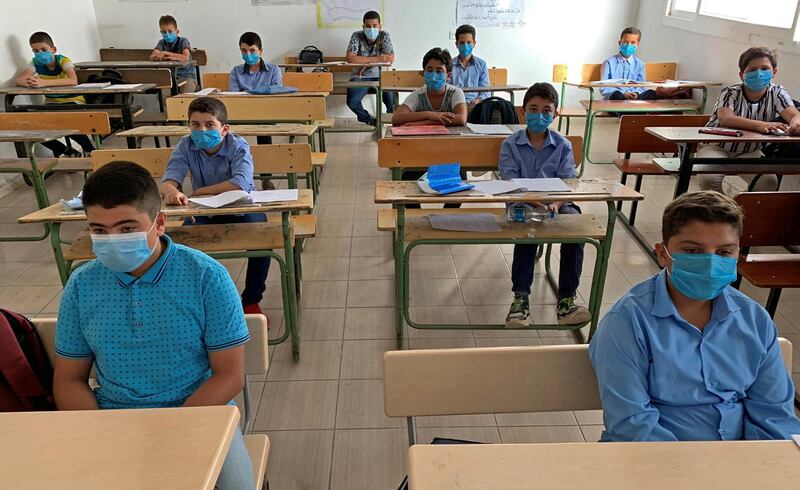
pixel 174 47
pixel 369 45
pixel 685 357
pixel 540 152
pixel 468 69
pixel 752 105
pixel 161 322
pixel 626 66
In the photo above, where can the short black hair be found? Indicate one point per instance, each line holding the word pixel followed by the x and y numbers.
pixel 41 37
pixel 438 54
pixel 122 183
pixel 704 206
pixel 755 53
pixel 250 39
pixel 167 20
pixel 372 15
pixel 543 90
pixel 465 29
pixel 209 105
pixel 631 30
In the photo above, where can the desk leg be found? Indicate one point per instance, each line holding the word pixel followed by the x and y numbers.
pixel 62 264
pixel 684 171
pixel 599 280
pixel 292 322
pixel 703 102
pixel 378 109
pixel 561 104
pixel 587 132
pixel 127 122
pixel 37 178
pixel 399 259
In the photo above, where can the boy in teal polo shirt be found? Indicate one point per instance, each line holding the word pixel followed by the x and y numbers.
pixel 162 322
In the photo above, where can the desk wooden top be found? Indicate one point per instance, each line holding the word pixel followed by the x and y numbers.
pixel 282 129
pixel 407 192
pixel 271 96
pixel 333 65
pixel 55 213
pixel 76 90
pixel 33 136
pixel 121 449
pixel 646 84
pixel 457 131
pixel 730 167
pixel 663 105
pixel 618 466
pixel 133 64
pixel 693 135
pixel 492 88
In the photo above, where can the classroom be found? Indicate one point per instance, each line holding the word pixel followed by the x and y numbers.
pixel 400 244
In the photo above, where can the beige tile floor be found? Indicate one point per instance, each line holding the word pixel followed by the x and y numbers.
pixel 324 414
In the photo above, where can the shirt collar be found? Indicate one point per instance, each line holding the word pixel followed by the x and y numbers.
pixel 223 150
pixel 723 305
pixel 623 59
pixel 262 65
pixel 522 138
pixel 154 273
pixel 470 63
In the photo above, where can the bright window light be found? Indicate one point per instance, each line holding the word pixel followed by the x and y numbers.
pixel 774 13
pixel 685 5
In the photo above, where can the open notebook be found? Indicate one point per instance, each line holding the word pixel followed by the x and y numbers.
pixel 237 198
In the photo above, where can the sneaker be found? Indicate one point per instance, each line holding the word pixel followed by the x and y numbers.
pixel 255 309
pixel 519 316
pixel 571 314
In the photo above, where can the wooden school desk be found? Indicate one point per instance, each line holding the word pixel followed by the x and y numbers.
pixel 410 232
pixel 458 131
pixel 509 89
pixel 232 241
pixel 731 465
pixel 688 138
pixel 180 448
pixel 125 107
pixel 115 65
pixel 594 107
pixel 291 130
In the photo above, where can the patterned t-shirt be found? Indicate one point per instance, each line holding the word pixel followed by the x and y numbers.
pixel 774 101
pixel 60 71
pixel 361 46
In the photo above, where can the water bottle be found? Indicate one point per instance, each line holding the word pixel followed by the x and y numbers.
pixel 525 213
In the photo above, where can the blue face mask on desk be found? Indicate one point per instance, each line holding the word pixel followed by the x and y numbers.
pixel 538 123
pixel 251 58
pixel 627 50
pixel 205 140
pixel 169 37
pixel 435 80
pixel 757 80
pixel 122 252
pixel 43 58
pixel 701 276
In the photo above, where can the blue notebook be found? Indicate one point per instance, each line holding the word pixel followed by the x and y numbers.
pixel 273 90
pixel 443 179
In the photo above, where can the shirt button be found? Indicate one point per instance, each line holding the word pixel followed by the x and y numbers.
pixel 138 324
pixel 138 303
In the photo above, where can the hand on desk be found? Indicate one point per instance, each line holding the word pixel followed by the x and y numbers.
pixel 173 197
pixel 631 95
pixel 773 126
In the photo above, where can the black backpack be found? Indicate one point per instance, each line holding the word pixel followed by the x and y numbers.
pixel 108 75
pixel 310 55
pixel 493 110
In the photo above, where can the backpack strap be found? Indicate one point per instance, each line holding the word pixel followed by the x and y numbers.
pixel 13 364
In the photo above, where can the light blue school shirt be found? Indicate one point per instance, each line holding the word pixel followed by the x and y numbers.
pixel 150 337
pixel 243 80
pixel 519 159
pixel 619 67
pixel 474 75
pixel 663 379
pixel 232 163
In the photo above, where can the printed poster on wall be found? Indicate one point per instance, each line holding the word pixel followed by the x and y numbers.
pixel 490 13
pixel 345 13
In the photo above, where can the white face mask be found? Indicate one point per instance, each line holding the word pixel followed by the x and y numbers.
pixel 122 252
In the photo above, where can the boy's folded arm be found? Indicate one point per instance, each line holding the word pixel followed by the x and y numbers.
pixel 728 119
pixel 226 381
pixel 71 384
pixel 226 186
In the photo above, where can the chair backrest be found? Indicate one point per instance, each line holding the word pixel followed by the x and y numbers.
pixel 488 380
pixel 136 54
pixel 661 71
pixel 478 152
pixel 634 139
pixel 401 78
pixel 591 72
pixel 498 76
pixel 270 108
pixel 294 158
pixel 216 80
pixel 769 219
pixel 88 123
pixel 153 159
pixel 309 82
pixel 159 76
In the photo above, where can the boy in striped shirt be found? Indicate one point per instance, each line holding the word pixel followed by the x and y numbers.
pixel 753 105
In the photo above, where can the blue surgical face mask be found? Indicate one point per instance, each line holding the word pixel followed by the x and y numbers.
pixel 701 276
pixel 465 49
pixel 538 123
pixel 251 58
pixel 435 80
pixel 43 57
pixel 169 37
pixel 371 33
pixel 627 50
pixel 122 252
pixel 206 140
pixel 757 80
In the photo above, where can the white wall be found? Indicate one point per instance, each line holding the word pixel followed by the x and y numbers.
pixel 74 31
pixel 555 32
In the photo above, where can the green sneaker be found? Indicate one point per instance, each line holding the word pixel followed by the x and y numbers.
pixel 519 316
pixel 571 314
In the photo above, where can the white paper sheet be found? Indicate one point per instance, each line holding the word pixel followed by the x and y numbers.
pixel 543 185
pixel 93 85
pixel 220 199
pixel 274 195
pixel 234 93
pixel 123 86
pixel 796 439
pixel 489 128
pixel 206 91
pixel 495 187
pixel 478 222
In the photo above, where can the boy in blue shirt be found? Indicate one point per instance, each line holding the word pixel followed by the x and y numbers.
pixel 685 357
pixel 161 322
pixel 624 65
pixel 219 161
pixel 469 70
pixel 539 152
pixel 172 47
pixel 369 45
